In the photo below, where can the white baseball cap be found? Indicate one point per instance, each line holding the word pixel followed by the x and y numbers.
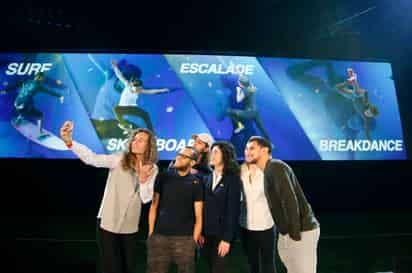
pixel 205 138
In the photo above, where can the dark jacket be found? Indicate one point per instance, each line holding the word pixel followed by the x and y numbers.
pixel 290 210
pixel 221 207
pixel 202 171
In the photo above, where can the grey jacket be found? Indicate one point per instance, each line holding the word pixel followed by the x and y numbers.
pixel 290 210
pixel 123 195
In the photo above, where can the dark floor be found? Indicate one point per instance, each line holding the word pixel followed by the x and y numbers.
pixel 351 242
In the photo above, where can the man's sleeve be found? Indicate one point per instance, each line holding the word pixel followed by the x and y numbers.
pixel 232 209
pixel 197 190
pixel 289 201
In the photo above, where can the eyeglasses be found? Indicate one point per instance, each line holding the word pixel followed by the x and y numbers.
pixel 185 156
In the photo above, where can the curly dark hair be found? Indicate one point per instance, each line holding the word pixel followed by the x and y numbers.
pixel 230 164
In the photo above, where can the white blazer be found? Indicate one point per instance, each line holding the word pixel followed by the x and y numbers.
pixel 123 195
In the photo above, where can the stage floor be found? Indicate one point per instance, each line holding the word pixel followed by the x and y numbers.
pixel 350 242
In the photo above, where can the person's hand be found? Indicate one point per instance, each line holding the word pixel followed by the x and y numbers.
pixel 114 63
pixel 201 240
pixel 66 132
pixel 295 237
pixel 144 171
pixel 194 171
pixel 252 170
pixel 58 82
pixel 223 248
pixel 252 88
pixel 197 237
pixel 61 99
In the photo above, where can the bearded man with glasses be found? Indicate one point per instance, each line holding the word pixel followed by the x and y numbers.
pixel 175 217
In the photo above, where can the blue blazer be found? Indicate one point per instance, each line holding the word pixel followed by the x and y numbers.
pixel 221 207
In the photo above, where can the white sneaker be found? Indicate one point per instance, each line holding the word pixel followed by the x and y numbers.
pixel 124 128
pixel 239 128
pixel 43 135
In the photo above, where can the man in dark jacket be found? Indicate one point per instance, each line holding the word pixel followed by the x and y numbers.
pixel 293 216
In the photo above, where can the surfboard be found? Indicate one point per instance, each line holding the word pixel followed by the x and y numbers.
pixel 31 131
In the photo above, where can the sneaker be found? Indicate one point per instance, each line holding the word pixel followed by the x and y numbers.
pixel 18 120
pixel 123 127
pixel 239 128
pixel 43 135
pixel 126 130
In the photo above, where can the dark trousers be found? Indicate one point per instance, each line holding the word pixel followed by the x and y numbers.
pixel 144 221
pixel 162 250
pixel 216 263
pixel 259 249
pixel 30 112
pixel 238 115
pixel 118 252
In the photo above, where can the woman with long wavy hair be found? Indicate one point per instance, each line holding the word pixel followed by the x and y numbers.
pixel 129 185
pixel 221 206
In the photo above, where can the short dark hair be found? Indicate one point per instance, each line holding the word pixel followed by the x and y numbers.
pixel 262 142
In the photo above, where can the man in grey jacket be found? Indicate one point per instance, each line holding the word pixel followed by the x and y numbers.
pixel 293 216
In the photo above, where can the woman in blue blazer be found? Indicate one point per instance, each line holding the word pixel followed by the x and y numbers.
pixel 221 206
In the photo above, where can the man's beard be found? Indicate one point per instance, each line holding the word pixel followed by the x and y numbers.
pixel 252 161
pixel 183 168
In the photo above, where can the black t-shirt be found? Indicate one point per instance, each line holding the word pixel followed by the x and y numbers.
pixel 176 215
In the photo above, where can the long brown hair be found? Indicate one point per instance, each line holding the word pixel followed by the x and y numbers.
pixel 150 155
